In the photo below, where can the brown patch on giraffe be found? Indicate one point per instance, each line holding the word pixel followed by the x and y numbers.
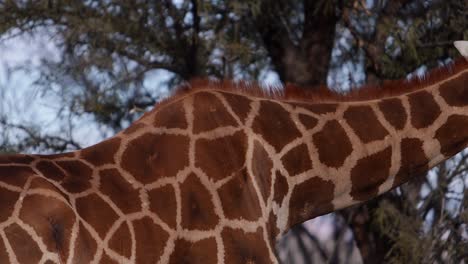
pixel 51 219
pixel 369 173
pixel 272 230
pixel 163 203
pixel 148 249
pixel 16 158
pixel 333 144
pixel 197 205
pixel 455 91
pixel 281 188
pixel 15 175
pixel 423 108
pixel 239 104
pixel 77 177
pixel 319 109
pixel 25 248
pixel 309 199
pixel 365 124
pixel 120 191
pixel 41 183
pixel 86 208
pixel 413 160
pixel 261 168
pixel 200 252
pixel 453 135
pixel 209 113
pixel 239 198
pixel 394 112
pixel 8 199
pixel 49 170
pixel 150 157
pixel 85 246
pixel 121 241
pixel 4 257
pixel 57 156
pixel 308 121
pixel 297 160
pixel 171 116
pixel 243 247
pixel 134 128
pixel 216 166
pixel 274 124
pixel 105 259
pixel 102 153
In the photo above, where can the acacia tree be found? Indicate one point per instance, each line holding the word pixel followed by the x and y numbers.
pixel 106 49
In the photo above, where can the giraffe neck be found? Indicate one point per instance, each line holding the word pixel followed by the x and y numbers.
pixel 402 137
pixel 366 148
pixel 308 158
pixel 317 157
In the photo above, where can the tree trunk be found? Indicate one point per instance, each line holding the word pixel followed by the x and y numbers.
pixel 304 62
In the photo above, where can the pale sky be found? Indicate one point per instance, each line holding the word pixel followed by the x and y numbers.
pixel 32 106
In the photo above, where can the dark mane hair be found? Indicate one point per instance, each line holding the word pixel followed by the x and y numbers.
pixel 322 93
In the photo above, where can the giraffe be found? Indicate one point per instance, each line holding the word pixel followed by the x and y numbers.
pixel 216 173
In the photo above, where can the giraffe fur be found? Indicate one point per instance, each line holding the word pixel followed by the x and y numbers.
pixel 216 174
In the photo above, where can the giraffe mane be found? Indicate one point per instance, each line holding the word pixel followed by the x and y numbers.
pixel 321 94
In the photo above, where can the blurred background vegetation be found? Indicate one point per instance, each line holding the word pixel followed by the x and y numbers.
pixel 95 66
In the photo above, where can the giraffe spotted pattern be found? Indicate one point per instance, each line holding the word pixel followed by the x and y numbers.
pixel 217 176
